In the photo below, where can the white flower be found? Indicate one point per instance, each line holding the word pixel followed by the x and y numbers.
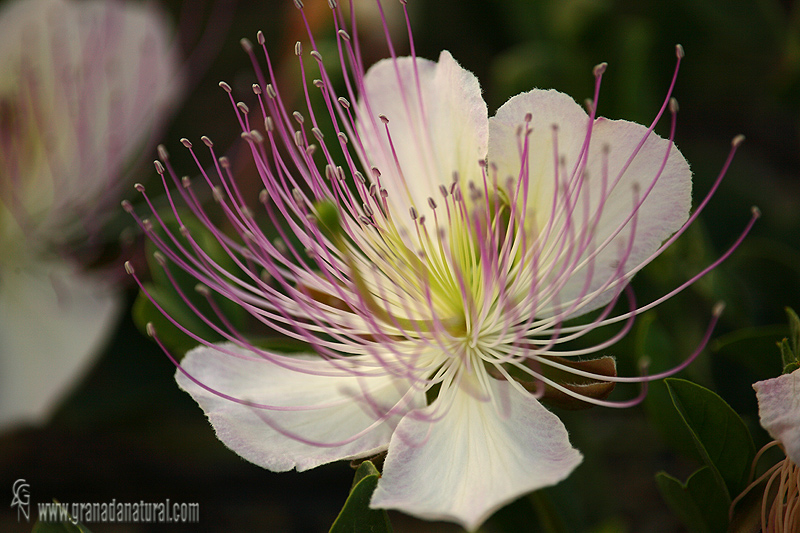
pixel 434 290
pixel 83 86
pixel 779 410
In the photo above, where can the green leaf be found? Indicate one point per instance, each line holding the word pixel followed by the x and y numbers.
pixel 356 516
pixel 700 502
pixel 721 437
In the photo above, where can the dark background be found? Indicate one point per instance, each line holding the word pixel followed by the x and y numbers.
pixel 127 433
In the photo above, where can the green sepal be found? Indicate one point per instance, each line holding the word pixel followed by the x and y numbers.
pixel 790 347
pixel 789 358
pixel 67 526
pixel 794 332
pixel 720 436
pixel 356 516
pixel 700 502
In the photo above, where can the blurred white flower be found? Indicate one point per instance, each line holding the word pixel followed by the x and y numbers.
pixel 83 88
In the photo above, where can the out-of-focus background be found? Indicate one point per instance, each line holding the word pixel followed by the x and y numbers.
pixel 126 432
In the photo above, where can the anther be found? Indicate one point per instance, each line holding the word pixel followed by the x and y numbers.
pixel 280 246
pixel 412 212
pixel 756 211
pixel 316 55
pixel 317 133
pixel 127 206
pixel 269 124
pixel 186 182
pixel 271 91
pixel 344 35
pixel 256 88
pixel 217 193
pixel 225 87
pixel 332 4
pixel 202 289
pixel 260 37
pixel 243 107
pixel 186 142
pixel 598 70
pixel 263 196
pixel 206 141
pixel 384 119
pixel 162 152
pixel 443 191
pixel 367 209
pixel 319 84
pixel 159 166
pixel 253 136
pixel 298 49
pixel 246 44
pixel 224 162
pixel 344 103
pixel 718 308
pixel 528 117
pixel 431 203
pixel 679 51
pixel 150 329
pixel 297 194
pixel 739 139
pixel 298 4
pixel 310 149
pixel 673 105
pixel 139 187
pixel 129 268
pixel 298 117
pixel 298 139
pixel 160 259
pixel 360 177
pixel 342 137
pixel 375 172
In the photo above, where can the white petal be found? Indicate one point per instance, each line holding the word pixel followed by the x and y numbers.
pixel 474 460
pixel 779 410
pixel 53 322
pixel 448 133
pixel 338 410
pixel 663 212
